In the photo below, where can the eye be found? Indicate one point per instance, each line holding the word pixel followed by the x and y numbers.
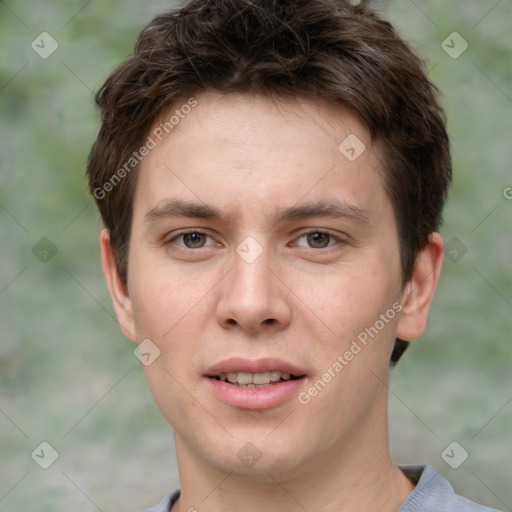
pixel 190 239
pixel 318 239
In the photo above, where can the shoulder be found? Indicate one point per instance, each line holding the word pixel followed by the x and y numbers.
pixel 166 503
pixel 433 493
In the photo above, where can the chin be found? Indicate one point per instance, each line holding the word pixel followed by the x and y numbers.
pixel 259 458
pixel 268 469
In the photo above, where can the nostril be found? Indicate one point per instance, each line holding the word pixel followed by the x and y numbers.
pixel 269 320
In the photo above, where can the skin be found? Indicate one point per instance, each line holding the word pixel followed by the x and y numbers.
pixel 299 301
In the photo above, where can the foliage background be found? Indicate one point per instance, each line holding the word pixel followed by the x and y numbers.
pixel 67 375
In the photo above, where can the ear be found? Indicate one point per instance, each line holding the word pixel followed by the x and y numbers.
pixel 419 291
pixel 118 290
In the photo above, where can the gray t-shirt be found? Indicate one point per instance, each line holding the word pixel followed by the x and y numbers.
pixel 432 493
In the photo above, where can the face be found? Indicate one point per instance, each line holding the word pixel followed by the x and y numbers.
pixel 264 267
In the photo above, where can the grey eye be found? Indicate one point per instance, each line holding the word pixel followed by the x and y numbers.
pixel 194 240
pixel 318 239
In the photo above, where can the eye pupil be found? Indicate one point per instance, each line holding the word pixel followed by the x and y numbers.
pixel 318 239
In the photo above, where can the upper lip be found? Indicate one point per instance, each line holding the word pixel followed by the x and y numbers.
pixel 237 364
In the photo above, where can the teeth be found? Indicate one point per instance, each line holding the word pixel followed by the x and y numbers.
pixel 275 376
pixel 244 378
pixel 251 380
pixel 261 378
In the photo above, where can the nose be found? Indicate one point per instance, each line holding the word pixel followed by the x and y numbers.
pixel 252 298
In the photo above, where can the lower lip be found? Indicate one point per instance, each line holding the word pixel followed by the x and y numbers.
pixel 255 398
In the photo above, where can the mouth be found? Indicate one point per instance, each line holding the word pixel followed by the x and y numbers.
pixel 260 384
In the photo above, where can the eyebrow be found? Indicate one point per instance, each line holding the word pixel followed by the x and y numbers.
pixel 181 208
pixel 335 209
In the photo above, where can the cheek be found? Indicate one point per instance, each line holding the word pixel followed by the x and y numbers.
pixel 353 359
pixel 165 298
pixel 349 300
pixel 361 319
pixel 174 394
pixel 172 309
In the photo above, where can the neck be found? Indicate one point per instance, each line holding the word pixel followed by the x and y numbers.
pixel 354 477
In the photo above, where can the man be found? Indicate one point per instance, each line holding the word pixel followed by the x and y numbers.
pixel 271 177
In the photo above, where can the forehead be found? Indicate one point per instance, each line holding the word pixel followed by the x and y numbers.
pixel 237 121
pixel 251 153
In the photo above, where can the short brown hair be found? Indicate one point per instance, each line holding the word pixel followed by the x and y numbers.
pixel 320 49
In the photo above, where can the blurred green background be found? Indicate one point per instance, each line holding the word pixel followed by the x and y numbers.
pixel 67 375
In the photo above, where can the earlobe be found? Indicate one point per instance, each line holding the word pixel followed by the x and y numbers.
pixel 118 290
pixel 419 291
